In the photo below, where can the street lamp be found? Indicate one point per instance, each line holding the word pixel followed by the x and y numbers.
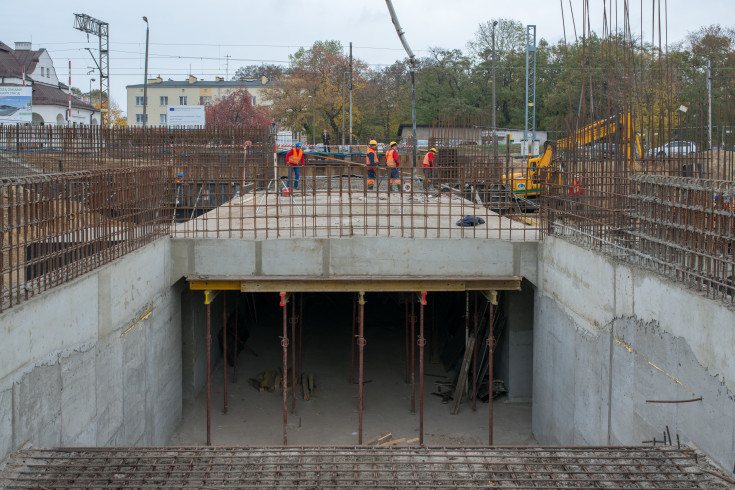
pixel 313 122
pixel 145 80
pixel 495 23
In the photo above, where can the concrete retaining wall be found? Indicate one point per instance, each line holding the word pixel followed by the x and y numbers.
pixel 68 377
pixel 609 337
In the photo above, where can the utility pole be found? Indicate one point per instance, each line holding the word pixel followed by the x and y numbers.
pixel 145 80
pixel 350 95
pixel 90 25
pixel 495 146
pixel 530 130
pixel 709 106
pixel 344 82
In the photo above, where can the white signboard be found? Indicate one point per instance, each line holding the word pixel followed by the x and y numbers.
pixel 16 104
pixel 186 116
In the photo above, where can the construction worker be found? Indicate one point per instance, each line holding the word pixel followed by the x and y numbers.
pixel 576 189
pixel 429 168
pixel 325 140
pixel 391 160
pixel 294 158
pixel 371 162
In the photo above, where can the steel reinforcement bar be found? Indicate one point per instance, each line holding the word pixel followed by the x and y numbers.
pixel 349 467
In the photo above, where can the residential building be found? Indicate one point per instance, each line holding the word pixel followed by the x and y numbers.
pixel 192 91
pixel 50 97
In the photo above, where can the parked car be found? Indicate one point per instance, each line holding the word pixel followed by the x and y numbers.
pixel 674 148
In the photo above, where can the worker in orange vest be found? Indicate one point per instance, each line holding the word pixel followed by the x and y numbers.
pixel 391 160
pixel 294 158
pixel 576 189
pixel 371 162
pixel 429 168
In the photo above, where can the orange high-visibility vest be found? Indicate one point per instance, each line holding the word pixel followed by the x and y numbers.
pixel 390 157
pixel 576 188
pixel 367 157
pixel 427 162
pixel 296 155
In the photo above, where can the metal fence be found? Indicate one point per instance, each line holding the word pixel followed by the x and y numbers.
pixel 54 228
pixel 681 227
pixel 337 201
pixel 33 150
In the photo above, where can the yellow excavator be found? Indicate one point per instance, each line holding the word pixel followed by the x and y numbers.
pixel 538 173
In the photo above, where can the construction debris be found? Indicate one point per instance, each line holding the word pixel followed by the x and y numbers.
pixel 266 381
pixel 307 385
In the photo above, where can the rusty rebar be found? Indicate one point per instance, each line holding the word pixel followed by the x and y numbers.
pixel 224 347
pixel 361 344
pixel 421 343
pixel 209 375
pixel 284 376
pixel 348 467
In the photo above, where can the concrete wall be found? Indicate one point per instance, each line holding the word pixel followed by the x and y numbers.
pixel 608 337
pixel 353 257
pixel 518 306
pixel 68 377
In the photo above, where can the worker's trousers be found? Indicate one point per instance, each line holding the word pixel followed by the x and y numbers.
pixel 293 171
pixel 370 177
pixel 394 175
pixel 428 174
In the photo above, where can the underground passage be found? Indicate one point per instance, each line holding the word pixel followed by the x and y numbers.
pixel 412 373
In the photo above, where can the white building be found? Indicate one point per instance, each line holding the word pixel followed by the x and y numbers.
pixel 50 96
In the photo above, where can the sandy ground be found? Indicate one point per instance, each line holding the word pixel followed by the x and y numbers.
pixel 330 417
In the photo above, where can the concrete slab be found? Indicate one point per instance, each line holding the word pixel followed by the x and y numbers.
pixel 321 215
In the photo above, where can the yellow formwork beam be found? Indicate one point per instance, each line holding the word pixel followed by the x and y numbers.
pixel 351 284
pixel 215 285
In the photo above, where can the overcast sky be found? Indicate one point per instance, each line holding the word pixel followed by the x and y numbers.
pixel 197 37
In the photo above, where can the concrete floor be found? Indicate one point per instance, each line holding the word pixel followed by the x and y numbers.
pixel 330 417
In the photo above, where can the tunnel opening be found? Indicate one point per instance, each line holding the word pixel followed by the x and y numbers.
pixel 323 352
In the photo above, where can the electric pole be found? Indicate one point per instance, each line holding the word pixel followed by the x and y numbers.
pixel 90 25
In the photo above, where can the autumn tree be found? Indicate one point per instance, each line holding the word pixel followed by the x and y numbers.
pixel 236 110
pixel 270 71
pixel 313 89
